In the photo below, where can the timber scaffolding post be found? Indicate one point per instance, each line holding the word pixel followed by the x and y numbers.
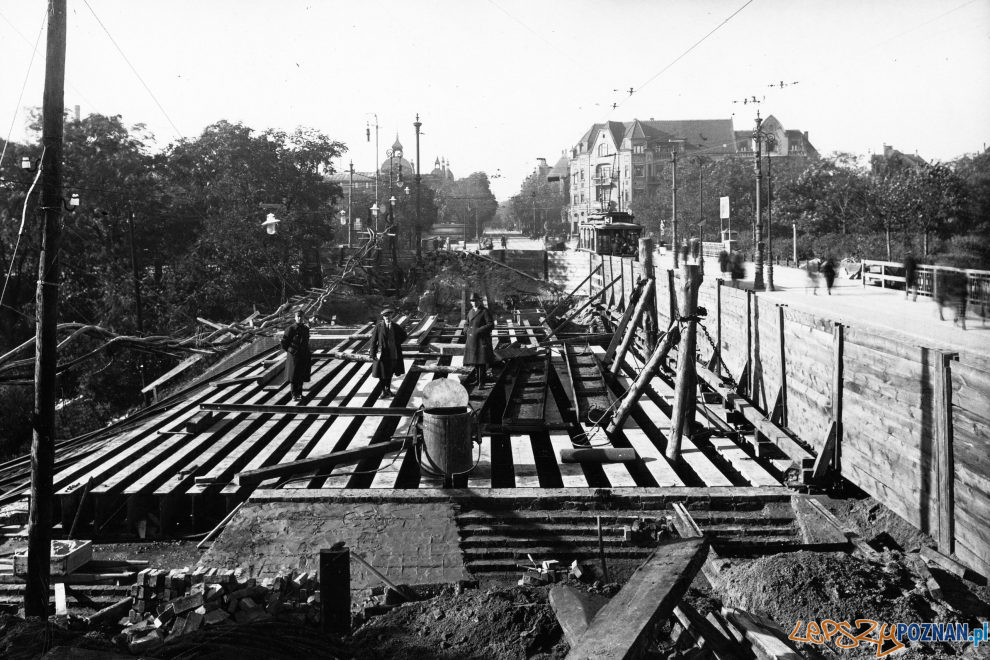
pixel 686 385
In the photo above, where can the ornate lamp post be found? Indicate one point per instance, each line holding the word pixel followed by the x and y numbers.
pixel 419 237
pixel 759 136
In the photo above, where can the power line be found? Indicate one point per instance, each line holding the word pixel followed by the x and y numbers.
pixel 27 74
pixel 684 54
pixel 140 79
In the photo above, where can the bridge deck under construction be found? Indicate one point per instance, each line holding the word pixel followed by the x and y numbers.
pixel 182 460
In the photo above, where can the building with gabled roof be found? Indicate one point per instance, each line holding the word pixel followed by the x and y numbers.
pixel 615 162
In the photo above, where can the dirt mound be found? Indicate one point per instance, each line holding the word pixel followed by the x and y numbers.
pixel 496 624
pixel 806 586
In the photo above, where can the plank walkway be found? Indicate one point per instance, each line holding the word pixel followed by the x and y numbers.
pixel 159 458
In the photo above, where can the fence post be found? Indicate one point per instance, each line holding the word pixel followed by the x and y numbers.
pixel 944 451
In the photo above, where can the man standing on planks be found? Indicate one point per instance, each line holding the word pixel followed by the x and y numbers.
pixel 295 343
pixel 478 351
pixel 386 349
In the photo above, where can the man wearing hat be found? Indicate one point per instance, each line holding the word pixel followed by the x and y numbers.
pixel 386 349
pixel 295 343
pixel 478 351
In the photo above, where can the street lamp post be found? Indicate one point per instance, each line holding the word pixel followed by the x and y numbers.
pixel 350 214
pixel 771 140
pixel 758 136
pixel 419 235
pixel 377 165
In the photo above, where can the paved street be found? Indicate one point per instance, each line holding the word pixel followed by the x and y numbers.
pixel 854 304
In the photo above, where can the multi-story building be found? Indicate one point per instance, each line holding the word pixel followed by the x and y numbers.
pixel 615 162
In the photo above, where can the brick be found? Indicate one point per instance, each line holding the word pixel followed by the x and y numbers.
pixel 198 588
pixel 185 604
pixel 178 629
pixel 142 576
pixel 215 617
pixel 214 592
pixel 194 621
pixel 165 617
pixel 149 642
pixel 247 603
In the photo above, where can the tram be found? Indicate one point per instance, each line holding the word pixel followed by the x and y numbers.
pixel 610 233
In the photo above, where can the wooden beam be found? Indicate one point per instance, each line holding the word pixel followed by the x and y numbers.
pixel 575 290
pixel 579 309
pixel 623 628
pixel 838 339
pixel 357 411
pixel 575 610
pixel 721 646
pixel 598 455
pixel 317 463
pixel 827 454
pixel 763 635
pixel 944 452
pixel 620 330
pixel 649 370
pixel 633 324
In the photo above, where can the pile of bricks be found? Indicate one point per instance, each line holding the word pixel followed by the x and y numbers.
pixel 167 605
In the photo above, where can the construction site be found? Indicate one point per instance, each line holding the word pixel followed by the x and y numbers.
pixel 659 465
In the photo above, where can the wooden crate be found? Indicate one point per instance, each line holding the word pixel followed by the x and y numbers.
pixel 66 556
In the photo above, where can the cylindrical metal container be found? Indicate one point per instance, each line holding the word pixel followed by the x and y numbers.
pixel 447 446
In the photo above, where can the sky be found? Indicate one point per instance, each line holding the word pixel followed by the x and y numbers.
pixel 500 83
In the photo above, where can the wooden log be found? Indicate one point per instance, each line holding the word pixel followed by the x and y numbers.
pixel 686 386
pixel 598 455
pixel 944 452
pixel 622 629
pixel 579 309
pixel 317 463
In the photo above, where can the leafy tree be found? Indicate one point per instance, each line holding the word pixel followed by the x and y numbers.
pixel 467 201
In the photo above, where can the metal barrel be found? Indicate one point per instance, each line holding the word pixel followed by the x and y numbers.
pixel 447 446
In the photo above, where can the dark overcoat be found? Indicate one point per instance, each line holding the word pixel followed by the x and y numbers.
pixel 386 348
pixel 478 345
pixel 295 343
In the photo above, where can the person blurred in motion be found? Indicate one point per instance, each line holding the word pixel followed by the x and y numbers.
pixel 828 272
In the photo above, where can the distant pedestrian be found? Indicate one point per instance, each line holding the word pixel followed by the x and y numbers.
pixel 478 351
pixel 811 268
pixel 505 242
pixel 436 243
pixel 723 261
pixel 910 275
pixel 295 343
pixel 828 272
pixel 956 294
pixel 737 269
pixel 386 349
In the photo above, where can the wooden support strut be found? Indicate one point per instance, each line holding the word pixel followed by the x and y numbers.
pixel 620 330
pixel 317 463
pixel 633 323
pixel 579 309
pixel 686 386
pixel 649 370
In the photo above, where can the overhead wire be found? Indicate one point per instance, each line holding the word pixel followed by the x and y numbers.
pixel 27 75
pixel 135 71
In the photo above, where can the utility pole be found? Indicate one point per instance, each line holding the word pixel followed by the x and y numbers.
pixel 758 238
pixel 350 195
pixel 673 205
pixel 419 228
pixel 137 293
pixel 46 339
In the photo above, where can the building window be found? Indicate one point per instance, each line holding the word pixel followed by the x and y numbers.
pixel 602 150
pixel 638 170
pixel 639 149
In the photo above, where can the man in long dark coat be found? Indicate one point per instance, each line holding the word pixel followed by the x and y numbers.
pixel 478 351
pixel 386 349
pixel 295 343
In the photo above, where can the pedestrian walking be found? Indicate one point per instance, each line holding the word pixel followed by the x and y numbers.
pixel 298 359
pixel 723 261
pixel 828 272
pixel 386 349
pixel 478 351
pixel 738 269
pixel 811 268
pixel 910 276
pixel 505 242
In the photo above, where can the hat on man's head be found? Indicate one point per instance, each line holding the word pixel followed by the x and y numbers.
pixel 388 311
pixel 475 297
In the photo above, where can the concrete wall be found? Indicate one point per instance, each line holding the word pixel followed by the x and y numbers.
pixel 914 422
